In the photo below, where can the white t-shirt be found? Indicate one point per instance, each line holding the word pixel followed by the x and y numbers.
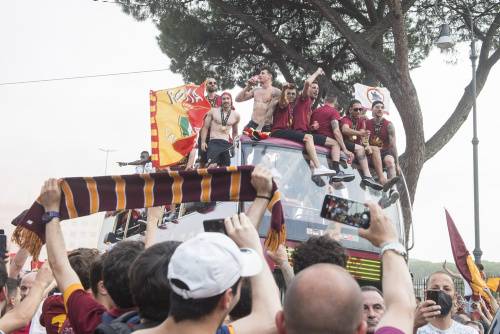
pixel 455 328
pixel 148 168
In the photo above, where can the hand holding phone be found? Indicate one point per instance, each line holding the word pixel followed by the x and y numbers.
pixel 215 225
pixel 345 211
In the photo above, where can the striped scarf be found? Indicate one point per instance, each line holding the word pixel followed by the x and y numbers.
pixel 82 196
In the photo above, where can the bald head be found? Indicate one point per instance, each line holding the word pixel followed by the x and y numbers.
pixel 26 284
pixel 323 298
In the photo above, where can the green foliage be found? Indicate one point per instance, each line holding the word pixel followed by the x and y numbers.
pixel 422 269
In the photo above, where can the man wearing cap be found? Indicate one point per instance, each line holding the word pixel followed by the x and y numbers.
pixel 205 275
pixel 220 121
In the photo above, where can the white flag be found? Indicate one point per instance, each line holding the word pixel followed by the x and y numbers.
pixel 367 95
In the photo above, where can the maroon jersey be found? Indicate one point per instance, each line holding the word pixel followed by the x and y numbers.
pixel 378 134
pixel 282 118
pixel 325 115
pixel 360 124
pixel 301 114
pixel 53 314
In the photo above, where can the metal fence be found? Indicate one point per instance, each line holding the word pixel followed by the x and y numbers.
pixel 419 286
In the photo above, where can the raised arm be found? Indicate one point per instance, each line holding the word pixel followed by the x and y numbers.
pixel 391 131
pixel 262 181
pixel 493 301
pixel 280 258
pixel 204 130
pixel 246 95
pixel 136 162
pixel 21 315
pixel 18 262
pixel 451 273
pixel 154 215
pixel 270 110
pixel 283 102
pixel 396 281
pixel 309 81
pixel 50 197
pixel 265 294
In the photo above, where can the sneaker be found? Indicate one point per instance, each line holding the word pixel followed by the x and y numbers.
pixel 384 202
pixel 391 182
pixel 318 181
pixel 394 196
pixel 340 176
pixel 370 182
pixel 323 171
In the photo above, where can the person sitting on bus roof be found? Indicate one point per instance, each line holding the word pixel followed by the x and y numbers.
pixel 352 127
pixel 220 120
pixel 262 98
pixel 383 137
pixel 327 119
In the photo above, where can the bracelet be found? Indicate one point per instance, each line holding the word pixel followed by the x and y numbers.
pixel 268 198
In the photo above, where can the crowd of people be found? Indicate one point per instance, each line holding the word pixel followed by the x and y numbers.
pixel 221 283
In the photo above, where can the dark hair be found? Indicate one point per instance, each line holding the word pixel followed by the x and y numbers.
pixel 315 82
pixel 456 317
pixel 81 267
pixel 96 273
pixel 269 70
pixel 145 152
pixel 330 97
pixel 244 305
pixel 148 281
pixel 377 102
pixel 372 288
pixel 318 249
pixel 353 102
pixel 193 309
pixel 480 266
pixel 12 286
pixel 292 86
pixel 419 298
pixel 115 270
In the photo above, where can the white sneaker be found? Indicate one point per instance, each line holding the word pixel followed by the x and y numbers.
pixel 323 171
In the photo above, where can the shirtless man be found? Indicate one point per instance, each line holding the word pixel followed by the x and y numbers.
pixel 220 120
pixel 262 98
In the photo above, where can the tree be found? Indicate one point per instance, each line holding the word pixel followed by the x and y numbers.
pixel 352 40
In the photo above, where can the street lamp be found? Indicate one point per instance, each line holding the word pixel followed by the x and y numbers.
pixel 445 42
pixel 107 152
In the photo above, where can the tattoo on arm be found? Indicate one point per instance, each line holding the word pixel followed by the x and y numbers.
pixel 392 140
pixel 270 108
pixel 287 271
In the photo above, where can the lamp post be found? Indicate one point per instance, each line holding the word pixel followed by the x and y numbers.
pixel 107 152
pixel 445 42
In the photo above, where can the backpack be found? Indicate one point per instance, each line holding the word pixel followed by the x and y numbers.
pixel 120 325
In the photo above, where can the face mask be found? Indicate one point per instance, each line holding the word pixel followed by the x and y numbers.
pixel 445 302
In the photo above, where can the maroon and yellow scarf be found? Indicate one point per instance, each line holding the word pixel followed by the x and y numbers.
pixel 82 196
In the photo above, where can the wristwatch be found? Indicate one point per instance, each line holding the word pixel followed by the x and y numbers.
pixel 47 216
pixel 393 246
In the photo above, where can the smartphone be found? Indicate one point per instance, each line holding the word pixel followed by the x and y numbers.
pixel 432 295
pixel 215 225
pixel 3 245
pixel 345 211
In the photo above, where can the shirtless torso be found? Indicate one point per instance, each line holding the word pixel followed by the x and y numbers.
pixel 217 129
pixel 262 96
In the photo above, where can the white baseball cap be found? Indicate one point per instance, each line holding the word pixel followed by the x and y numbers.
pixel 209 264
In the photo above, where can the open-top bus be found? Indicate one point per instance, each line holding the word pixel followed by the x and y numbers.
pixel 301 200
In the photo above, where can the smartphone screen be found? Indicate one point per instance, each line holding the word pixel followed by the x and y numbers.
pixel 3 245
pixel 432 295
pixel 215 225
pixel 345 211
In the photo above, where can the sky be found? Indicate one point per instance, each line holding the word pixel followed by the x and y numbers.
pixel 57 128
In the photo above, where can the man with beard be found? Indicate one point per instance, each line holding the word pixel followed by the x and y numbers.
pixel 428 318
pixel 262 97
pixel 373 307
pixel 220 120
pixel 383 136
pixel 352 127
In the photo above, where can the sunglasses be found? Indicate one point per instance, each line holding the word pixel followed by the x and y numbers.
pixel 293 94
pixel 379 107
pixel 212 83
pixel 357 109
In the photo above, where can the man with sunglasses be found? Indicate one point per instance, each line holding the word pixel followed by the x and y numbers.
pixel 383 137
pixel 353 130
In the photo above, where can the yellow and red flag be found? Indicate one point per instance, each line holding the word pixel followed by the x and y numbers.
pixel 464 262
pixel 176 118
